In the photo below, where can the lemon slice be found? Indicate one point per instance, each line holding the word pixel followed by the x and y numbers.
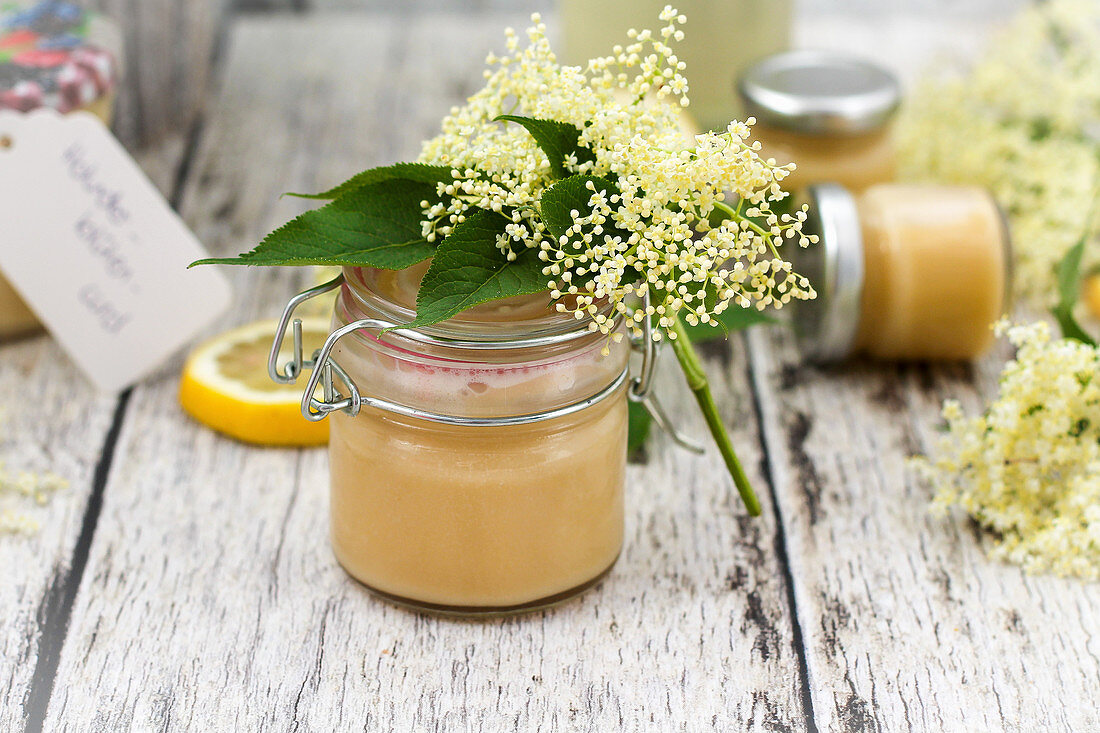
pixel 225 386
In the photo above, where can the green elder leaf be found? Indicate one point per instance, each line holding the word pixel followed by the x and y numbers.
pixel 417 172
pixel 638 426
pixel 558 140
pixel 468 269
pixel 1069 287
pixel 567 195
pixel 377 225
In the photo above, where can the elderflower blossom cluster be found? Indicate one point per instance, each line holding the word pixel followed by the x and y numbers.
pixel 652 234
pixel 19 489
pixel 1022 122
pixel 1029 468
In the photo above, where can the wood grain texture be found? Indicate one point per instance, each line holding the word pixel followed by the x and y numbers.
pixel 876 9
pixel 211 599
pixel 907 624
pixel 908 42
pixel 169 52
pixel 51 419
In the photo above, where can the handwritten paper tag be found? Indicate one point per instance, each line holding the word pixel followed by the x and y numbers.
pixel 95 250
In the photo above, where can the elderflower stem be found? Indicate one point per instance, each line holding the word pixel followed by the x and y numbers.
pixel 700 387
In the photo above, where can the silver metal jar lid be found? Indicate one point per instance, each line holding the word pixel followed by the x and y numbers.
pixel 819 92
pixel 826 327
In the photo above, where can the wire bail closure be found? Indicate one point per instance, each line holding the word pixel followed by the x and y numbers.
pixel 641 387
pixel 339 393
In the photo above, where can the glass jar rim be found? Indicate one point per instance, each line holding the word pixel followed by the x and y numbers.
pixel 552 329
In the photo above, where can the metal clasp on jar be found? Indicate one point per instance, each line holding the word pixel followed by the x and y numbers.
pixel 340 393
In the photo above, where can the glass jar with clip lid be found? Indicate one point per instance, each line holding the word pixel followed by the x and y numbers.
pixel 478 465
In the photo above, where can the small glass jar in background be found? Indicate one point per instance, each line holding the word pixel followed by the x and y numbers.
pixel 903 272
pixel 53 55
pixel 721 37
pixel 826 112
pixel 485 470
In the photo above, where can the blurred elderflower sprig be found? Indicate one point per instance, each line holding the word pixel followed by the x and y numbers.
pixel 578 182
pixel 1029 467
pixel 1025 123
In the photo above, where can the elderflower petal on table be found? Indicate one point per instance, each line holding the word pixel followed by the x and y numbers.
pixel 19 493
pixel 656 224
pixel 1029 467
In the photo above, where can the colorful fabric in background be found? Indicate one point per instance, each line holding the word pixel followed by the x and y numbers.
pixel 48 60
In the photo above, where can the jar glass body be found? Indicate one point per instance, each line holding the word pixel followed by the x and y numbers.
pixel 937 266
pixel 476 519
pixel 855 161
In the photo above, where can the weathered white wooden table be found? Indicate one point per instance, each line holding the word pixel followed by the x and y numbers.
pixel 185 581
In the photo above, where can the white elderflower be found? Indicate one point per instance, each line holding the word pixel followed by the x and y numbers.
pixel 1023 123
pixel 654 230
pixel 19 493
pixel 1028 469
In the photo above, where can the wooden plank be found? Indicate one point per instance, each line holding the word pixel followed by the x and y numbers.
pixel 268 5
pixel 522 8
pixel 866 9
pixel 169 51
pixel 908 43
pixel 212 600
pixel 907 624
pixel 53 421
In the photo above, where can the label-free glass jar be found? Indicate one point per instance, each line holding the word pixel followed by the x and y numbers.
pixel 53 54
pixel 826 112
pixel 906 272
pixel 484 472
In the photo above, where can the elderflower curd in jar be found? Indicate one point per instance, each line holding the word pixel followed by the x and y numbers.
pixel 906 272
pixel 515 502
pixel 825 112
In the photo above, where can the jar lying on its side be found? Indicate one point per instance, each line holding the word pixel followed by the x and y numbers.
pixel 492 481
pixel 826 112
pixel 58 56
pixel 916 272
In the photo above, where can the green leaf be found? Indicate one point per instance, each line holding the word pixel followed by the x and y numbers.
pixel 468 269
pixel 1069 287
pixel 732 319
pixel 378 225
pixel 638 424
pixel 558 140
pixel 568 195
pixel 417 172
